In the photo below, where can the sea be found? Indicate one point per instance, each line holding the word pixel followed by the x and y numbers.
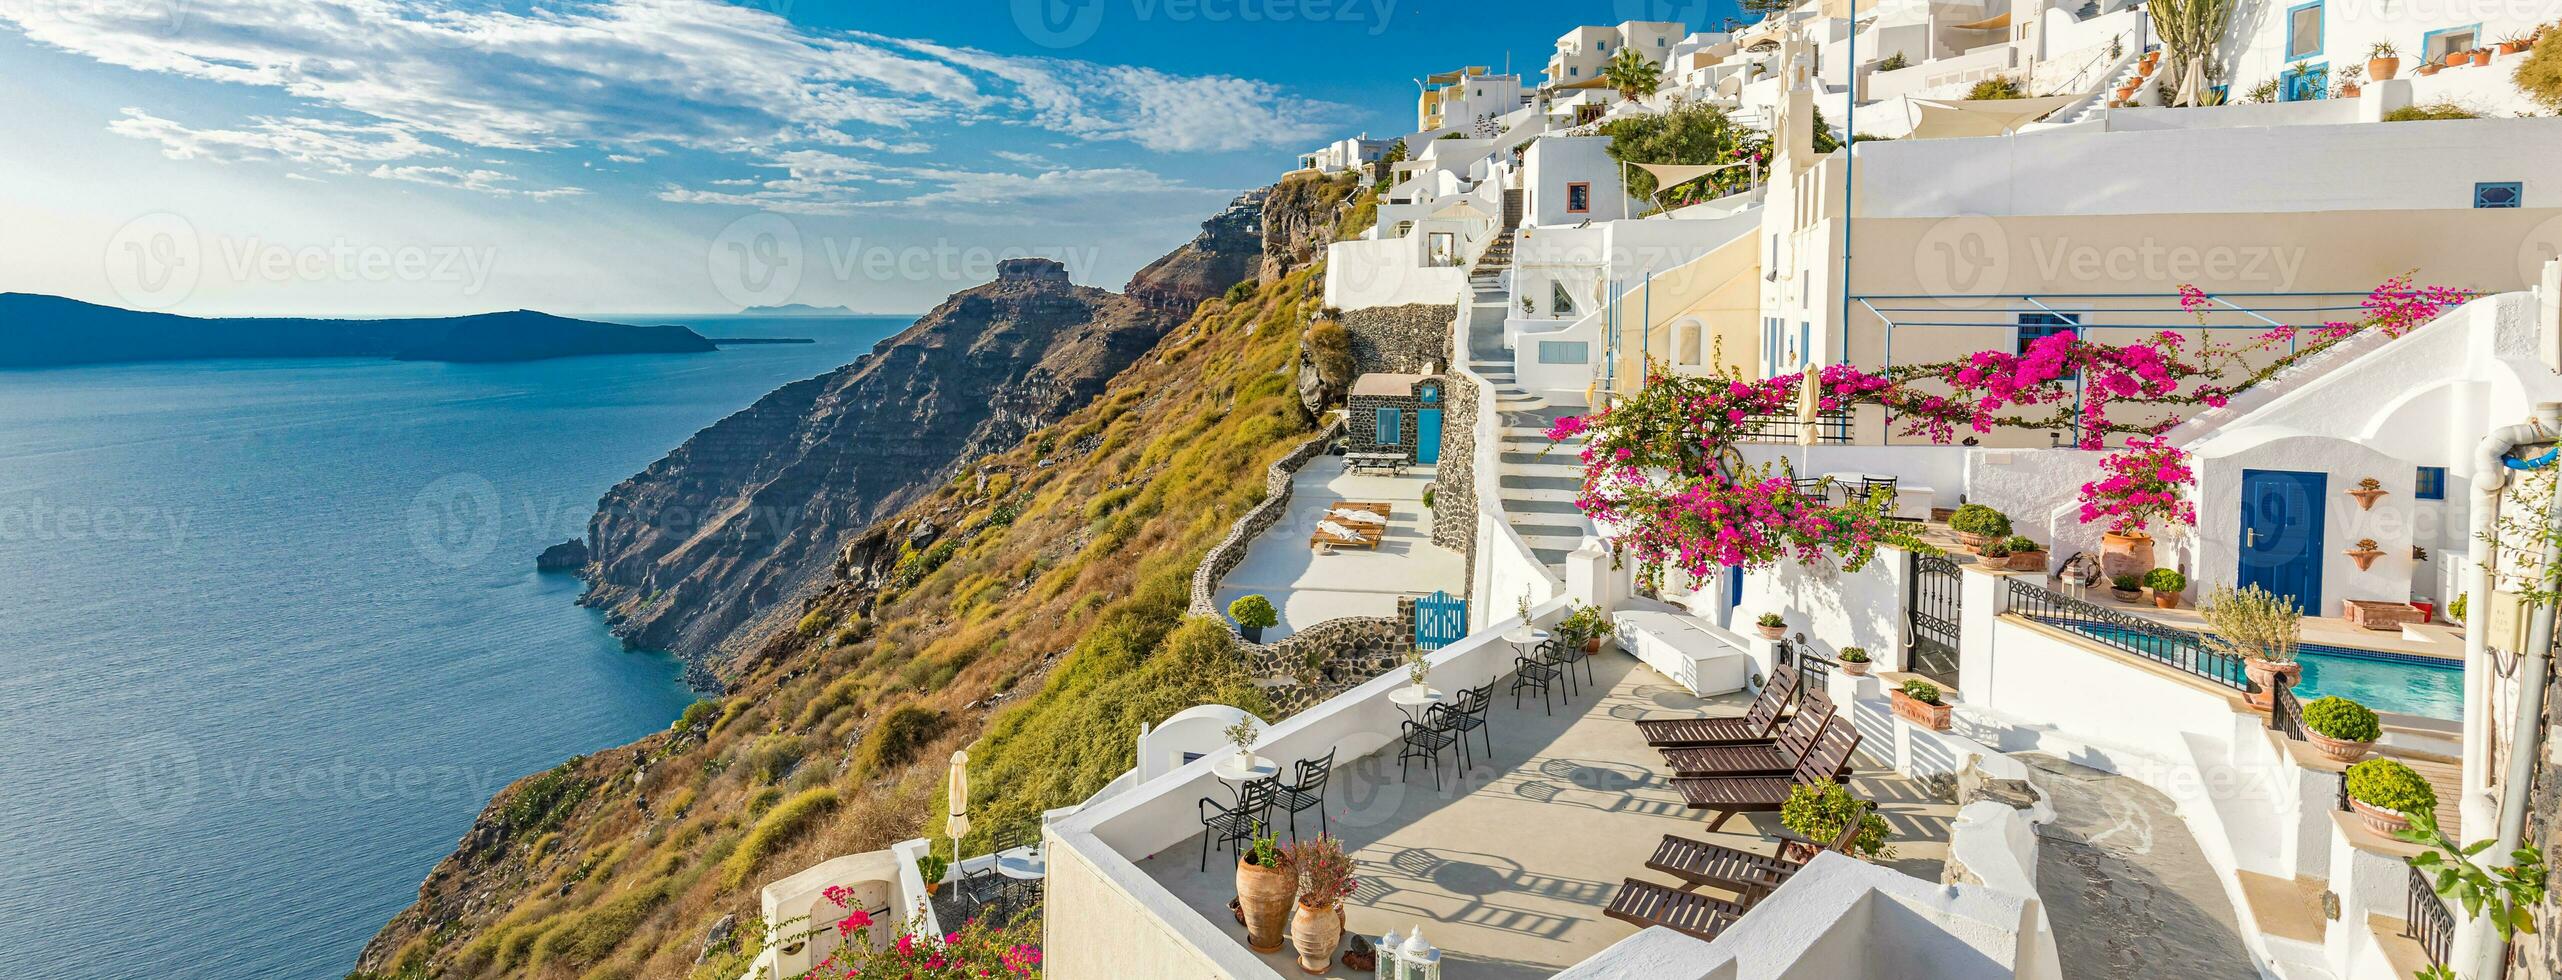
pixel 271 634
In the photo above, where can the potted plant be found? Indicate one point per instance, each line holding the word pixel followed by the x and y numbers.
pixel 1854 661
pixel 2340 728
pixel 1586 626
pixel 2430 68
pixel 2383 61
pixel 1771 626
pixel 1325 880
pixel 2260 628
pixel 1266 888
pixel 1419 669
pixel 1976 524
pixel 2481 56
pixel 2128 588
pixel 2025 555
pixel 2366 491
pixel 2456 59
pixel 1254 614
pixel 2385 793
pixel 932 867
pixel 2515 42
pixel 2167 584
pixel 1997 551
pixel 2365 553
pixel 2455 610
pixel 1919 702
pixel 1242 735
pixel 2345 81
pixel 1818 813
pixel 2141 486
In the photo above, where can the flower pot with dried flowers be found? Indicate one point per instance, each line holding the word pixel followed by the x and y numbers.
pixel 1771 626
pixel 2365 553
pixel 2261 628
pixel 2367 491
pixel 2385 793
pixel 1854 661
pixel 1325 880
pixel 1918 701
pixel 1266 886
pixel 2339 728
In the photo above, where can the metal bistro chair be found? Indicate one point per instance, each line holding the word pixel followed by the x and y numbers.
pixel 1531 670
pixel 1305 792
pixel 1570 654
pixel 1869 489
pixel 1468 714
pixel 1234 826
pixel 983 886
pixel 1018 894
pixel 1555 654
pixel 1423 742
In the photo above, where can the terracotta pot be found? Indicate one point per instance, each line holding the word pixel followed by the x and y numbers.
pixel 1973 541
pixel 2335 749
pixel 2125 554
pixel 2165 600
pixel 2380 820
pixel 2429 69
pixel 1798 852
pixel 2262 674
pixel 2127 596
pixel 2027 561
pixel 1770 632
pixel 2481 56
pixel 933 886
pixel 1930 716
pixel 2350 91
pixel 1266 895
pixel 2455 58
pixel 1858 669
pixel 1315 932
pixel 2383 69
pixel 2511 47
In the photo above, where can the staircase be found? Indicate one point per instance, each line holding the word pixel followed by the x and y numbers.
pixel 1536 480
pixel 2137 68
pixel 1497 258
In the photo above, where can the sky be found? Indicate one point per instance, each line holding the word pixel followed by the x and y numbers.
pixel 388 157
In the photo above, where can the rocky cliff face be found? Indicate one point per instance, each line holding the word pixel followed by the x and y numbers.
pixel 1300 215
pixel 717 543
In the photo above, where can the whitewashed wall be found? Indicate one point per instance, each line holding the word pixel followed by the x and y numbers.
pixel 1834 608
pixel 1389 272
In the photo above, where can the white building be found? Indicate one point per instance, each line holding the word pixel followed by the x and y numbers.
pixel 1345 154
pixel 1582 52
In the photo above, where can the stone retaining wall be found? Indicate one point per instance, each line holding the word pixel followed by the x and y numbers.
pixel 1331 657
pixel 1223 557
pixel 1454 480
pixel 1410 339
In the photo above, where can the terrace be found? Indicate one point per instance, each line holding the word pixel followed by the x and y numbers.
pixel 1308 587
pixel 1507 867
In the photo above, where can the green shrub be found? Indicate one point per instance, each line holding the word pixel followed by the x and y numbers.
pixel 776 831
pixel 1818 813
pixel 1894 62
pixel 545 800
pixel 1254 612
pixel 2455 610
pixel 811 624
pixel 1921 690
pixel 2433 110
pixel 2539 74
pixel 1241 291
pixel 932 867
pixel 2341 718
pixel 897 738
pixel 2129 582
pixel 1771 620
pixel 772 756
pixel 1997 87
pixel 1996 548
pixel 2390 785
pixel 763 800
pixel 2019 544
pixel 591 936
pixel 697 714
pixel 2166 580
pixel 1854 655
pixel 1978 519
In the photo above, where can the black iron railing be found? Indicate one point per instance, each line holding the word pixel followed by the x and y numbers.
pixel 2175 648
pixel 2426 920
pixel 2286 714
pixel 1813 670
pixel 2344 797
pixel 1830 427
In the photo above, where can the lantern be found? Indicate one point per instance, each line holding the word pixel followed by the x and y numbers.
pixel 1386 967
pixel 1418 959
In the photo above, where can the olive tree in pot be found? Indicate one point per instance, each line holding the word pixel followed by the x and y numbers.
pixel 1771 625
pixel 1254 614
pixel 1820 813
pixel 2260 628
pixel 1266 888
pixel 1976 524
pixel 2167 584
pixel 1854 661
pixel 2385 793
pixel 2340 728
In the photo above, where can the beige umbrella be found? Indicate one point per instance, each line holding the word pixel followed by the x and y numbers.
pixel 1958 118
pixel 1809 404
pixel 957 825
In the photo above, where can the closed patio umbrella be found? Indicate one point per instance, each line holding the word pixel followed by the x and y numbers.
pixel 957 825
pixel 1809 404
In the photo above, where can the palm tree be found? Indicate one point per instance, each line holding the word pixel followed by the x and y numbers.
pixel 1631 74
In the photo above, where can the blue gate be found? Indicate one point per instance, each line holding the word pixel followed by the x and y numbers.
pixel 1440 619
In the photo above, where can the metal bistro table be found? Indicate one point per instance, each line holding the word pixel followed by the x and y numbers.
pixel 1415 701
pixel 1026 863
pixel 1236 771
pixel 1525 641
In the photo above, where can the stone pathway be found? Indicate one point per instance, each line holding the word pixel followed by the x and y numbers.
pixel 2126 888
pixel 1538 479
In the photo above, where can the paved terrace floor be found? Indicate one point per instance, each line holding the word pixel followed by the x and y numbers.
pixel 1309 588
pixel 1509 869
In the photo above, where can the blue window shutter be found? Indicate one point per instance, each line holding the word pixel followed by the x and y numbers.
pixel 1392 427
pixel 2499 194
pixel 2430 484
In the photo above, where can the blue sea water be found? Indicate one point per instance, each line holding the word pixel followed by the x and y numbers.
pixel 271 636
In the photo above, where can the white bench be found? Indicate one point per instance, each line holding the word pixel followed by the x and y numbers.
pixel 1693 652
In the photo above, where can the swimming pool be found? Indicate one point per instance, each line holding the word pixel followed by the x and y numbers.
pixel 2429 687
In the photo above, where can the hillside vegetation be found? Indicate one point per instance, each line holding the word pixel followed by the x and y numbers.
pixel 1031 610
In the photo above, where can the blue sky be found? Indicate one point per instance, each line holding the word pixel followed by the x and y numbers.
pixel 378 157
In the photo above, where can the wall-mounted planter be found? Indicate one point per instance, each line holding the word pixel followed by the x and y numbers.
pixel 2365 558
pixel 2366 496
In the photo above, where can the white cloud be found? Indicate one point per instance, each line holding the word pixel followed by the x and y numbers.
pixel 331 146
pixel 822 182
pixel 482 181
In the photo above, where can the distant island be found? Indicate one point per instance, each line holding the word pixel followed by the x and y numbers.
pixel 51 331
pixel 797 309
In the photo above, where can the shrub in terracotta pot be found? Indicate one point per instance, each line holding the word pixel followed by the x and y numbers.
pixel 1918 701
pixel 1854 661
pixel 1266 888
pixel 2383 61
pixel 1996 552
pixel 2127 588
pixel 2340 728
pixel 2167 584
pixel 1975 524
pixel 1586 627
pixel 2385 793
pixel 1771 626
pixel 932 868
pixel 2025 555
pixel 1819 813
pixel 1325 880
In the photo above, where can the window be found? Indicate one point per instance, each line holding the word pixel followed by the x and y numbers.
pixel 1805 344
pixel 2305 82
pixel 2034 327
pixel 1428 394
pixel 1572 72
pixel 1392 427
pixel 2436 45
pixel 2304 31
pixel 1602 47
pixel 1560 305
pixel 1578 198
pixel 1564 352
pixel 2498 194
pixel 2430 484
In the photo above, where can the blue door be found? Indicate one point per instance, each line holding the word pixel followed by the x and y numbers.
pixel 2282 535
pixel 1427 435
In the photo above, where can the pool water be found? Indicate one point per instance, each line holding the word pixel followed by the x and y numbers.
pixel 2430 687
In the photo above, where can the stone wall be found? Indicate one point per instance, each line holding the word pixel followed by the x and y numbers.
pixel 1454 481
pixel 1361 418
pixel 1411 339
pixel 1230 550
pixel 1331 657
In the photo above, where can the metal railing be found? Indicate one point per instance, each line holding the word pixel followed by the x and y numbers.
pixel 2426 920
pixel 2286 714
pixel 2175 648
pixel 1813 670
pixel 1831 428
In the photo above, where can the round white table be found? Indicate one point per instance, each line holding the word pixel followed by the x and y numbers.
pixel 1526 640
pixel 1026 863
pixel 1236 771
pixel 1414 701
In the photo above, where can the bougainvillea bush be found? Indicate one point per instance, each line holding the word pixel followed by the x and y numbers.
pixel 975 951
pixel 1661 473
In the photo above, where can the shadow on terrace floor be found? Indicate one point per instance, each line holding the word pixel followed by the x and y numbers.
pixel 1508 866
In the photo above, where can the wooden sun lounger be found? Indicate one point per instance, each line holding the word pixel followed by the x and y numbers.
pixel 1364 535
pixel 1730 795
pixel 1644 903
pixel 1775 757
pixel 1697 863
pixel 1755 724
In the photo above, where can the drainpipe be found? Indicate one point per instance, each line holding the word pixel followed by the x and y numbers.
pixel 2476 943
